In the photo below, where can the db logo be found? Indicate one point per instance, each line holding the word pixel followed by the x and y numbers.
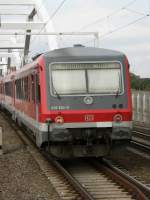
pixel 89 118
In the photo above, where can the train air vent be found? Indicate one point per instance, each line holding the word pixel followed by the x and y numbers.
pixel 121 105
pixel 114 106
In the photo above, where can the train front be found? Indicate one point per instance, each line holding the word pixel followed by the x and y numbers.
pixel 88 102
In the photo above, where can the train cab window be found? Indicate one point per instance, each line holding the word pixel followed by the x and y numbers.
pixel 75 81
pixel 99 77
pixel 86 78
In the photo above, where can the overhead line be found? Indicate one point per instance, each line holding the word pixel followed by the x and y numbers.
pixel 57 9
pixel 106 17
pixel 111 14
pixel 133 11
pixel 52 16
pixel 120 28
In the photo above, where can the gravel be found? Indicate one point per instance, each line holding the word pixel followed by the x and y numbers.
pixel 20 176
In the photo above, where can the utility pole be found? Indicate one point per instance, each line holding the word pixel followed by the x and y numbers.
pixel 28 37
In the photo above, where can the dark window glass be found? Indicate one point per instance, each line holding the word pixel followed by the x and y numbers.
pixel 33 92
pixel 22 89
pixel 38 89
pixel 8 88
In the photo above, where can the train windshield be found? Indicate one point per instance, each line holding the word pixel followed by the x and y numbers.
pixel 86 78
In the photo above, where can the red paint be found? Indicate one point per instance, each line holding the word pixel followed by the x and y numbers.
pixel 69 116
pixel 79 116
pixel 128 86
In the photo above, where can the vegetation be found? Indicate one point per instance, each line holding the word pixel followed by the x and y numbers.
pixel 138 83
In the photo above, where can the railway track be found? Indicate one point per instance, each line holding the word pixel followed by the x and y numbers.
pixel 135 179
pixel 141 139
pixel 141 126
pixel 82 179
pixel 101 181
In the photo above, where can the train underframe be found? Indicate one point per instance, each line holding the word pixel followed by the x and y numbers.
pixel 78 142
pixel 85 142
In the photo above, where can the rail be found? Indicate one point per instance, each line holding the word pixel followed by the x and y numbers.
pixel 137 185
pixel 109 177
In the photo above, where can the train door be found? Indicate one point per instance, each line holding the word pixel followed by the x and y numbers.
pixel 32 96
pixel 36 94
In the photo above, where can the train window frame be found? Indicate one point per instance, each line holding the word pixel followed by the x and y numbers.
pixel 87 94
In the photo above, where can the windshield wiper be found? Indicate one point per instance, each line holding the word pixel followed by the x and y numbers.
pixel 57 94
pixel 117 93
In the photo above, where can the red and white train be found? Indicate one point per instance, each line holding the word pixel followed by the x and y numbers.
pixel 76 101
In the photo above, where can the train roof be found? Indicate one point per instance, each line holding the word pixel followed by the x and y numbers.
pixel 83 52
pixel 79 52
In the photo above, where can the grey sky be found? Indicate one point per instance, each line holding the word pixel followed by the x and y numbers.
pixel 133 40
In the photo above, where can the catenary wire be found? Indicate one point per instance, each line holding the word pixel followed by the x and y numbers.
pixel 108 16
pixel 136 12
pixel 120 28
pixel 52 16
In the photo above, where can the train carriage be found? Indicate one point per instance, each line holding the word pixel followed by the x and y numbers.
pixel 76 100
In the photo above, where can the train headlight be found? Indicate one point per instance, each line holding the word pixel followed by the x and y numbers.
pixel 118 118
pixel 59 120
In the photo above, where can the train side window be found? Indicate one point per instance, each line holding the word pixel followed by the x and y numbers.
pixel 38 93
pixel 8 88
pixel 33 91
pixel 25 87
pixel 0 89
pixel 29 88
pixel 22 89
pixel 18 89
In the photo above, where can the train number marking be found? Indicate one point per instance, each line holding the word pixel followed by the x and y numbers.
pixel 60 107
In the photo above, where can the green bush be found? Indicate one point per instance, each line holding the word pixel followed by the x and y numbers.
pixel 138 83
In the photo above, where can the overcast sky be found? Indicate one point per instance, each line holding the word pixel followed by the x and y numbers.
pixel 111 16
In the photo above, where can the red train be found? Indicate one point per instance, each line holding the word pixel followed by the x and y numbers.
pixel 76 101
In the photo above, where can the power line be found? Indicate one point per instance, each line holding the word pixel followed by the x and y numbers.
pixel 133 11
pixel 120 28
pixel 108 16
pixel 148 2
pixel 125 26
pixel 57 9
pixel 52 16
